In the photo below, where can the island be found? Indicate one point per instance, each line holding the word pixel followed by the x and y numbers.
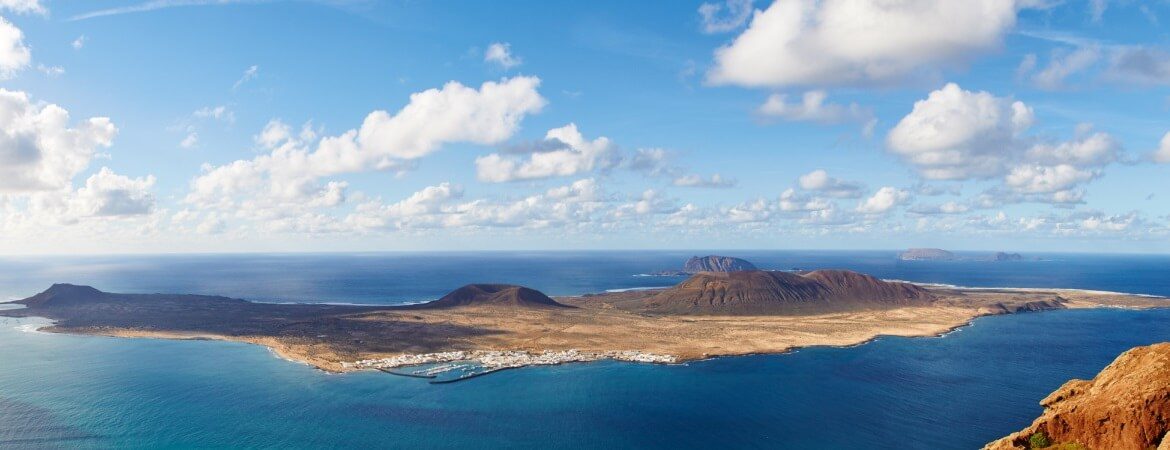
pixel 926 254
pixel 938 254
pixel 1127 405
pixel 709 263
pixel 499 326
pixel 1004 256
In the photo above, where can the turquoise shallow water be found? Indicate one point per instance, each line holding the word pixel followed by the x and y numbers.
pixel 957 391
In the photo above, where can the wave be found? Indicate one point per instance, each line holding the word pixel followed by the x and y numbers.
pixel 644 288
pixel 30 328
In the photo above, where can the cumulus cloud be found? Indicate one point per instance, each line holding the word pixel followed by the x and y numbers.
pixel 820 181
pixel 39 148
pixel 793 201
pixel 571 154
pixel 14 54
pixel 109 194
pixel 500 53
pixel 883 200
pixel 42 152
pixel 725 16
pixel 78 43
pixel 283 186
pixel 844 42
pixel 956 134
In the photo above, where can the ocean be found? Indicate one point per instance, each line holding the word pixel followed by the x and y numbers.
pixel 957 391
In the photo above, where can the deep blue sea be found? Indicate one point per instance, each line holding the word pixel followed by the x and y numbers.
pixel 957 391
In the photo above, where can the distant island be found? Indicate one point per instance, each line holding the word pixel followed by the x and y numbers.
pixel 709 263
pixel 1002 256
pixel 926 254
pixel 503 326
pixel 1127 405
pixel 938 254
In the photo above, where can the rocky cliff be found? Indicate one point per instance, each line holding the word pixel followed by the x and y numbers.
pixel 1126 406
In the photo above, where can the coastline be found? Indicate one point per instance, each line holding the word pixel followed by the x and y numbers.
pixel 596 331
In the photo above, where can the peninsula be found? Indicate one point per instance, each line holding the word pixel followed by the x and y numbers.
pixel 501 326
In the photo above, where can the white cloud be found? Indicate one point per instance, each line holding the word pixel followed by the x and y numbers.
pixel 955 134
pixel 78 43
pixel 1090 149
pixel 573 154
pixel 883 200
pixel 283 187
pixel 945 208
pixel 820 181
pixel 220 112
pixel 442 206
pixel 793 201
pixel 1037 179
pixel 108 194
pixel 693 180
pixel 152 5
pixel 41 153
pixel 250 74
pixel 14 55
pixel 1063 64
pixel 52 71
pixel 501 53
pixel 24 6
pixel 726 16
pixel 959 135
pixel 1162 155
pixel 39 150
pixel 814 108
pixel 190 141
pixel 839 42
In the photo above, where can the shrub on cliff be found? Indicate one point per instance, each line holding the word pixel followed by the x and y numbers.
pixel 1039 440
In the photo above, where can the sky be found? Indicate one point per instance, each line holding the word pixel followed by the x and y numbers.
pixel 170 126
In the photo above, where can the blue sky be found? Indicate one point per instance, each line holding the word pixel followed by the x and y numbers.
pixel 409 125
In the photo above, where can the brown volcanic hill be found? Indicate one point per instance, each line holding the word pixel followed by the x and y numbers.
pixel 1127 405
pixel 494 295
pixel 759 292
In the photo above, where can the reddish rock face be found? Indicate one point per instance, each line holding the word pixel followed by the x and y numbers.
pixel 768 292
pixel 1126 406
